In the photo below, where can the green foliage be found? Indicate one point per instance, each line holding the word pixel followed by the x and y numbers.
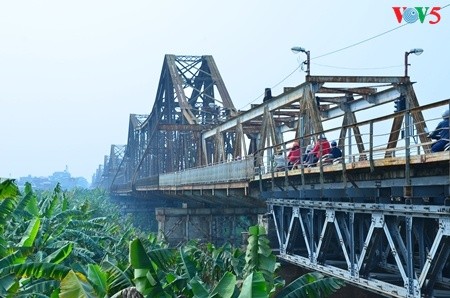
pixel 9 197
pixel 98 279
pixel 69 244
pixel 202 270
pixel 117 278
pixel 30 233
pixel 46 235
pixel 76 285
pixel 254 286
pixel 259 258
pixel 311 285
pixel 36 270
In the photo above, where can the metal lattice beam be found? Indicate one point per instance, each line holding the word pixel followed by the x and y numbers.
pixel 385 259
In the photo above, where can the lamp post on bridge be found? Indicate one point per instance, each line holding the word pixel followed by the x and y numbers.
pixel 407 192
pixel 296 50
pixel 416 51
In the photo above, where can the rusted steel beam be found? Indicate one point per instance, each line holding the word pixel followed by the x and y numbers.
pixel 183 127
pixel 251 129
pixel 137 119
pixel 334 99
pixel 366 102
pixel 215 74
pixel 153 145
pixel 357 79
pixel 395 133
pixel 419 120
pixel 360 91
pixel 285 113
pixel 178 86
pixel 258 111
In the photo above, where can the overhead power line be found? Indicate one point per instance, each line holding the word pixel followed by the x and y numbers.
pixel 359 68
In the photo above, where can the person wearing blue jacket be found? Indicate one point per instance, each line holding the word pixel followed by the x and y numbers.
pixel 441 134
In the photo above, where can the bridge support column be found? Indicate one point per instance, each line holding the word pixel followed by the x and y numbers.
pixel 140 210
pixel 215 225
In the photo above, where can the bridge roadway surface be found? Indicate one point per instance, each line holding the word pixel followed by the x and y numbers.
pixel 380 219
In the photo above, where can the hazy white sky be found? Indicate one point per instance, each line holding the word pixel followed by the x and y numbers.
pixel 71 72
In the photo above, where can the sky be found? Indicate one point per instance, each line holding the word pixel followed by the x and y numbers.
pixel 71 72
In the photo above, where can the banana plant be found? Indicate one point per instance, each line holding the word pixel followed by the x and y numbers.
pixel 48 247
pixel 260 258
pixel 62 245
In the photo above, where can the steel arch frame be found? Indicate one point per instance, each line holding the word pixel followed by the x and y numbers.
pixel 191 98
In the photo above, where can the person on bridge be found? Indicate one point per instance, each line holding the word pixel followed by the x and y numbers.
pixel 279 160
pixel 335 151
pixel 294 155
pixel 321 148
pixel 306 154
pixel 441 134
pixel 334 155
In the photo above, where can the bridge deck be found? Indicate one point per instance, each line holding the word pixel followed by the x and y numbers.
pixel 439 157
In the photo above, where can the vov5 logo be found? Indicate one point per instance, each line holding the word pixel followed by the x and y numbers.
pixel 412 14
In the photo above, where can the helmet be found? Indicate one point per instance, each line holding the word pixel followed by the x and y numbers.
pixel 333 144
pixel 445 114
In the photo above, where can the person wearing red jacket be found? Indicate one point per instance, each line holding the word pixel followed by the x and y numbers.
pixel 321 148
pixel 294 155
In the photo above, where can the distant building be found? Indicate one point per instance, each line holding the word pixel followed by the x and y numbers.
pixel 48 183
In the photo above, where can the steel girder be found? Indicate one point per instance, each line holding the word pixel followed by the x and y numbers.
pixel 392 249
pixel 133 150
pixel 306 108
pixel 191 98
pixel 105 173
pixel 116 156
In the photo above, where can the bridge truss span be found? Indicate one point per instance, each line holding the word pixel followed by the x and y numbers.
pixel 393 249
pixel 377 216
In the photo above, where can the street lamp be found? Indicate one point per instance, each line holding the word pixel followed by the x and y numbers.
pixel 413 51
pixel 302 50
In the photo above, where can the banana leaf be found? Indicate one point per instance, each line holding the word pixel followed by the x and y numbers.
pixel 311 285
pixel 254 286
pixel 76 286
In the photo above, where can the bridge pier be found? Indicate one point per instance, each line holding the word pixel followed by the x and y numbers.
pixel 215 225
pixel 142 210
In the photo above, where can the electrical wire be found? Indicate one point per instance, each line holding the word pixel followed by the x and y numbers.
pixel 367 39
pixel 358 68
pixel 358 43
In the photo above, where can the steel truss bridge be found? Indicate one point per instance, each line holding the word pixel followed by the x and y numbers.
pixel 379 218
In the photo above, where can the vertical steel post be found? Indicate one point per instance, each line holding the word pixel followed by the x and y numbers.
pixel 372 166
pixel 349 144
pixel 407 192
pixel 302 143
pixel 282 236
pixel 352 244
pixel 410 256
pixel 312 247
